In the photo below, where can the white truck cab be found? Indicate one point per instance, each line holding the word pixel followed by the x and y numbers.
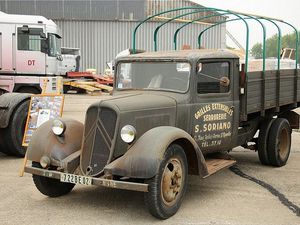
pixel 30 49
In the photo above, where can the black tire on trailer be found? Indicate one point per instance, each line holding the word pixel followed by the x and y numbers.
pixel 12 136
pixel 262 143
pixel 167 188
pixel 279 142
pixel 49 186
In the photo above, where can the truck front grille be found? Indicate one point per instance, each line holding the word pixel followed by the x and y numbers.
pixel 98 137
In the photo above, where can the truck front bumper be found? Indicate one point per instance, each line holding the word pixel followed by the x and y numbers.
pixel 95 181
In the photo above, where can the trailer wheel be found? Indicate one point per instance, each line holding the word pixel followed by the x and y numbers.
pixel 279 142
pixel 262 143
pixel 12 136
pixel 167 188
pixel 50 187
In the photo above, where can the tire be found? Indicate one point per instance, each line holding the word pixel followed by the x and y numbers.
pixel 279 142
pixel 162 200
pixel 11 144
pixel 50 187
pixel 262 143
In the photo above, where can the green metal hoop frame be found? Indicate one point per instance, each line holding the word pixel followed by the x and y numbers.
pixel 238 15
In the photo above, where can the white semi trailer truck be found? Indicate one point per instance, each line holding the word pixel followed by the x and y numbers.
pixel 29 52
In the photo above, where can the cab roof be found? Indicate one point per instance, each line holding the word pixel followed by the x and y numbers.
pixel 193 54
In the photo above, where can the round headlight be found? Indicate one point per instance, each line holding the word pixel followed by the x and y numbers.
pixel 58 127
pixel 128 133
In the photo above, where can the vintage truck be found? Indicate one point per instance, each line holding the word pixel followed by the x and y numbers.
pixel 172 113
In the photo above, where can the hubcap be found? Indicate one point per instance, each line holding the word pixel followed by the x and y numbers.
pixel 172 180
pixel 283 143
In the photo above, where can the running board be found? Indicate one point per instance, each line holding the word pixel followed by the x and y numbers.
pixel 215 165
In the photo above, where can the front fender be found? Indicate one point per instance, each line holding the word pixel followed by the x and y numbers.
pixel 45 143
pixel 143 158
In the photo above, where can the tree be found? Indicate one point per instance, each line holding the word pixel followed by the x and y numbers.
pixel 287 41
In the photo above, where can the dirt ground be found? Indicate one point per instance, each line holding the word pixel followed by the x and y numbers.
pixel 225 198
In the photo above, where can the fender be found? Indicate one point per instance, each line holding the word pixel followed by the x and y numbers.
pixel 8 103
pixel 143 158
pixel 45 143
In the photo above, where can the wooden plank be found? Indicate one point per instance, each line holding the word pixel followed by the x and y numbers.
pixel 215 165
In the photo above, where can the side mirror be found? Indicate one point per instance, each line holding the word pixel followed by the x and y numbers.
pixel 44 46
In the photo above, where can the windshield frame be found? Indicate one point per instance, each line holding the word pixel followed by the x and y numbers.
pixel 119 62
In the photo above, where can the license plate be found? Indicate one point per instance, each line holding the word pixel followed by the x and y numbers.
pixel 75 179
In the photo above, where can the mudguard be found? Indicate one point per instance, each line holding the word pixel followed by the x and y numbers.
pixel 45 143
pixel 143 158
pixel 8 104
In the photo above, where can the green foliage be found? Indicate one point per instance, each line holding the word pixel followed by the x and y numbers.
pixel 287 41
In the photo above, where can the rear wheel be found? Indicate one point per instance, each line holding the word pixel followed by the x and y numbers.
pixel 50 187
pixel 279 142
pixel 167 188
pixel 262 143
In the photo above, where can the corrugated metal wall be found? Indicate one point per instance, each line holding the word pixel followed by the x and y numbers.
pixel 103 28
pixel 100 41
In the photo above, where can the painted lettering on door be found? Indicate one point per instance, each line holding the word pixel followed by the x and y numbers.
pixel 213 124
pixel 30 62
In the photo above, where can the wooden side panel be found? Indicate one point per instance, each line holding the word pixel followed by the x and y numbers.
pixel 253 102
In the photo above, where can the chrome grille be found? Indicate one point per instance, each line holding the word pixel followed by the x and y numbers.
pixel 99 132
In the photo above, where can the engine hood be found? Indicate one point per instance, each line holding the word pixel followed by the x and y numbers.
pixel 140 101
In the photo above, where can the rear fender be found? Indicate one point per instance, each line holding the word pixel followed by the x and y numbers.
pixel 60 150
pixel 143 158
pixel 8 103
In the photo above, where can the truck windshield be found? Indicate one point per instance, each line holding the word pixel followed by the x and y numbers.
pixel 54 45
pixel 169 76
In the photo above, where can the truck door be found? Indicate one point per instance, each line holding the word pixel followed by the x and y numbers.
pixel 29 58
pixel 54 57
pixel 213 106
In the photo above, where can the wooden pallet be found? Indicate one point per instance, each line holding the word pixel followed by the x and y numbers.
pixel 91 87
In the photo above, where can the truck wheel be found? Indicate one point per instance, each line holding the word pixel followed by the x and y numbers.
pixel 13 134
pixel 279 142
pixel 262 143
pixel 50 187
pixel 167 188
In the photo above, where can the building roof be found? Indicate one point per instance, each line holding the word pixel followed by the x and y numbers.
pixel 127 10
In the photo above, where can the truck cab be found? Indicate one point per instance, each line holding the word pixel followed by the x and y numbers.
pixel 30 49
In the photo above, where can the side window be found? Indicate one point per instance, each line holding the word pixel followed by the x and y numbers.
pixel 213 77
pixel 29 40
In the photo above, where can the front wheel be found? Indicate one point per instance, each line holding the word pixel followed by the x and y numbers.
pixel 167 188
pixel 50 187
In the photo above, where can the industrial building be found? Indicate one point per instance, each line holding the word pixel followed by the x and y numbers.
pixel 101 29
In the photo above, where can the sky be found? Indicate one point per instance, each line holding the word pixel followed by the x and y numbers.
pixel 287 10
